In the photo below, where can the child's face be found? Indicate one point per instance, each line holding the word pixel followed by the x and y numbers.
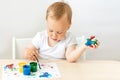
pixel 57 29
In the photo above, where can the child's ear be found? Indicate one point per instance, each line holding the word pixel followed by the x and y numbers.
pixel 69 26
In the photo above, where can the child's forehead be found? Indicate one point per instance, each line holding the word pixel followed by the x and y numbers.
pixel 57 30
pixel 57 26
pixel 56 16
pixel 61 22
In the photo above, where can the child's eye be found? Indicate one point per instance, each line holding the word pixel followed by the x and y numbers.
pixel 59 32
pixel 50 30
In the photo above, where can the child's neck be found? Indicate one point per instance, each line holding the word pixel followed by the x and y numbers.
pixel 51 42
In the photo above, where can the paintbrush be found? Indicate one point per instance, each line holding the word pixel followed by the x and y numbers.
pixel 38 62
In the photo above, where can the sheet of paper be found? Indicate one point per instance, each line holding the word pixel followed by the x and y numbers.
pixel 12 73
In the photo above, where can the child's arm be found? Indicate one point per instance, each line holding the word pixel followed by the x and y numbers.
pixel 30 52
pixel 74 52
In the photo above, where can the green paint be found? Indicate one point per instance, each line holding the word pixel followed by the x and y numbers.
pixel 33 66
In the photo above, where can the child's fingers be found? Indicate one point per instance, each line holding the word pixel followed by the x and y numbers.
pixel 98 43
pixel 36 57
pixel 34 54
pixel 93 46
pixel 37 54
pixel 32 58
pixel 29 54
pixel 90 47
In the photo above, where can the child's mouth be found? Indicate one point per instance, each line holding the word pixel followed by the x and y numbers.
pixel 55 39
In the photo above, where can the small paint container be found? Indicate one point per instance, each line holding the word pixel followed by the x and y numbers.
pixel 26 70
pixel 21 64
pixel 33 66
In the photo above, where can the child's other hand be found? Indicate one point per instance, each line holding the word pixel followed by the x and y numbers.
pixel 94 46
pixel 30 54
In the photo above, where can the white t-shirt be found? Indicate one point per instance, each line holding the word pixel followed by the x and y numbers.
pixel 40 41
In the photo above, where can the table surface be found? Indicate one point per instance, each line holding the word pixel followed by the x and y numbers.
pixel 82 70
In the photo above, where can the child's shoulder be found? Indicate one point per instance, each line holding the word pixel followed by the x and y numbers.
pixel 69 35
pixel 42 33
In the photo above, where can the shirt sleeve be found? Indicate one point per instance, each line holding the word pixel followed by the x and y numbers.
pixel 36 40
pixel 71 40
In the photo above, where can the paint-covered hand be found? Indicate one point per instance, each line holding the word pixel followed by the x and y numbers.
pixel 30 54
pixel 92 43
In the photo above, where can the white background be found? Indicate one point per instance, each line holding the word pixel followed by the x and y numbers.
pixel 23 18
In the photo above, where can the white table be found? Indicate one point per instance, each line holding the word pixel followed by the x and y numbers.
pixel 83 70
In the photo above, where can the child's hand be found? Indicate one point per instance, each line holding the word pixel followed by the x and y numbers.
pixel 94 46
pixel 31 54
pixel 92 43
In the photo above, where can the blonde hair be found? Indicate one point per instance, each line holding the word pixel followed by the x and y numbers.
pixel 59 9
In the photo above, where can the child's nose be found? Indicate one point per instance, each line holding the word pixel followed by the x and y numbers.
pixel 54 35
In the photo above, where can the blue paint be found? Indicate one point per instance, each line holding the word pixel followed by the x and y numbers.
pixel 91 42
pixel 26 70
pixel 88 43
pixel 46 75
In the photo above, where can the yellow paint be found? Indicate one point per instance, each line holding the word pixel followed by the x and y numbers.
pixel 21 64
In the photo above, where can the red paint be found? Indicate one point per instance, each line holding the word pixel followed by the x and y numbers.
pixel 92 37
